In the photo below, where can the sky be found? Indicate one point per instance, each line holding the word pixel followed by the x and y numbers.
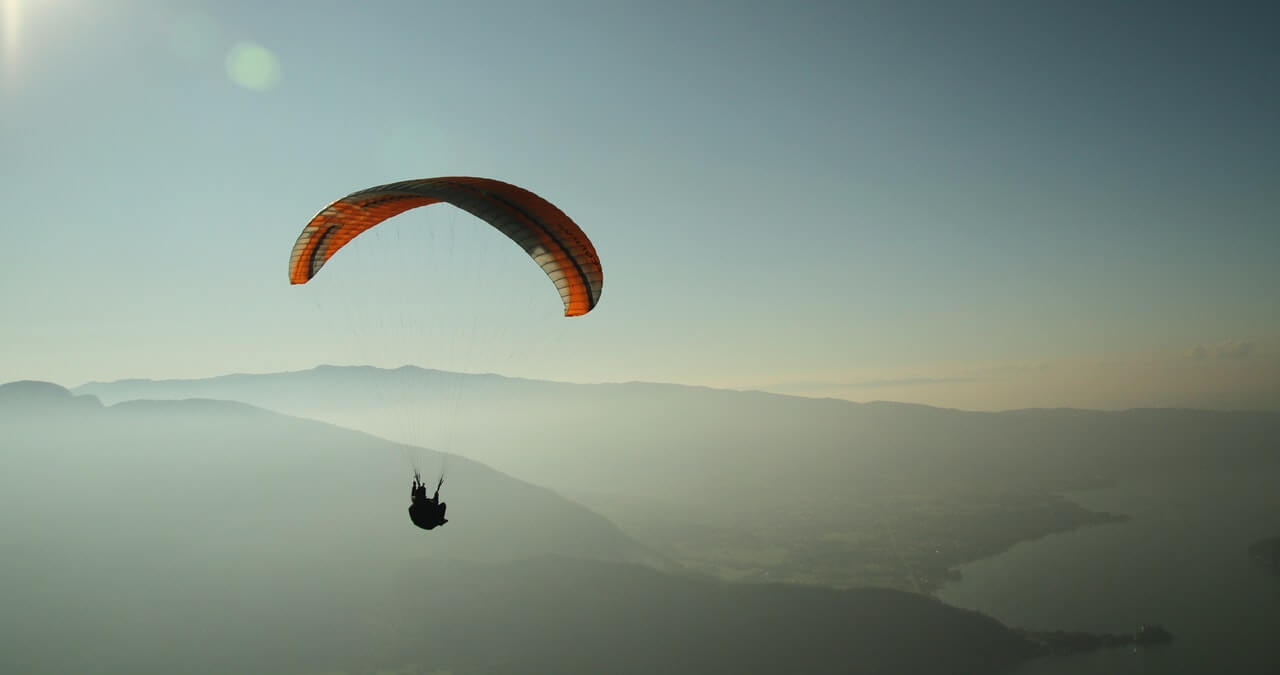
pixel 982 205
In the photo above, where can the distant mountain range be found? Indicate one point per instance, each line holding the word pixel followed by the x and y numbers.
pixel 701 447
pixel 207 536
pixel 751 485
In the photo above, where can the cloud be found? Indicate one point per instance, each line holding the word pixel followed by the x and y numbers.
pixel 1233 349
pixel 989 373
pixel 1227 349
pixel 904 381
pixel 1004 370
pixel 821 385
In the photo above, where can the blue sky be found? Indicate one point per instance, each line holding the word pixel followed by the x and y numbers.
pixel 869 200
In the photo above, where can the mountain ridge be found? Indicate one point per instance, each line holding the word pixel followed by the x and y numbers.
pixel 420 370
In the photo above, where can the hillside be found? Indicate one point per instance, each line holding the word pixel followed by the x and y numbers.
pixel 198 474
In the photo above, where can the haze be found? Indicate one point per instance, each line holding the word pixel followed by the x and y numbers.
pixel 934 338
pixel 982 207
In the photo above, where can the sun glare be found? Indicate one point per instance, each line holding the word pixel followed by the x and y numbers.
pixel 11 18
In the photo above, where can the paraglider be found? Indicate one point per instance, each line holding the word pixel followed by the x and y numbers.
pixel 549 236
pixel 546 234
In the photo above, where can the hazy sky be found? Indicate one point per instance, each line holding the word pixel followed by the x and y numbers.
pixel 973 204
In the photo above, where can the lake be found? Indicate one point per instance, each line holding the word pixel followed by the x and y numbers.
pixel 1180 561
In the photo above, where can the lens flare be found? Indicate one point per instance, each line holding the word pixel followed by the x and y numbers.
pixel 253 67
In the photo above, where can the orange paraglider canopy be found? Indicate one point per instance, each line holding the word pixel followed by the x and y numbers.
pixel 550 237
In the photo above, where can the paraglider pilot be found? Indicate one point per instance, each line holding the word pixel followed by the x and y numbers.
pixel 426 513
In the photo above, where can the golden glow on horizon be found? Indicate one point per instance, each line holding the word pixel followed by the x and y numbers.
pixel 1232 374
